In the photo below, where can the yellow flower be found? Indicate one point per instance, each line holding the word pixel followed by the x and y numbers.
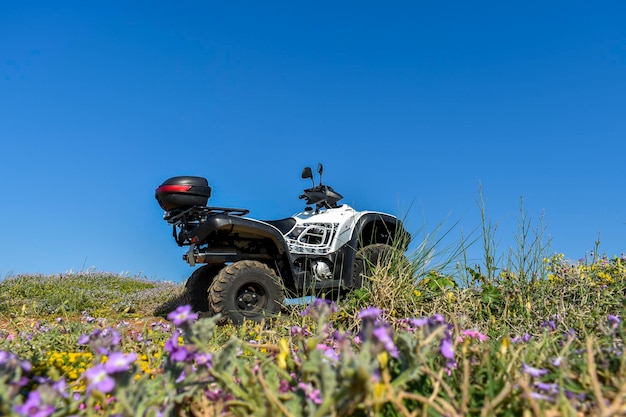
pixel 504 346
pixel 379 390
pixel 383 359
pixel 283 353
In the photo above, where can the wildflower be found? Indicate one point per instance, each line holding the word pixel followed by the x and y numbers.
pixel 300 331
pixel 204 359
pixel 12 361
pixel 474 334
pixel 614 321
pixel 177 352
pixel 446 347
pixel 60 387
pixel 417 323
pixel 119 362
pixel 112 335
pixel 87 317
pixel 524 338
pixel 319 307
pixel 283 354
pixel 329 352
pixel 428 322
pixel 557 361
pixel 539 396
pixel 313 394
pixel 99 379
pixel 384 336
pixel 550 388
pixel 534 372
pixel 182 315
pixel 370 313
pixel 283 386
pixel 33 407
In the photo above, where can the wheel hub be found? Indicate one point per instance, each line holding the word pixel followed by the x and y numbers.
pixel 249 300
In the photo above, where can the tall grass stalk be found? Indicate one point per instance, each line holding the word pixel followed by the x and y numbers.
pixel 526 260
pixel 489 230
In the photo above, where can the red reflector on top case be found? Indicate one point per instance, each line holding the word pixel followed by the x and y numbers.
pixel 173 188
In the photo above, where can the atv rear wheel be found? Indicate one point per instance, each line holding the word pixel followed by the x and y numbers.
pixel 246 290
pixel 197 286
pixel 367 258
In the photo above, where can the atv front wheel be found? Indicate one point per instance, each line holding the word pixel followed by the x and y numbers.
pixel 367 258
pixel 197 286
pixel 246 290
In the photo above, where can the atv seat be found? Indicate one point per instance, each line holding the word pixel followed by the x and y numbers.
pixel 284 225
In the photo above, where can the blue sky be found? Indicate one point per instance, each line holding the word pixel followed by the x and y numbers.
pixel 407 104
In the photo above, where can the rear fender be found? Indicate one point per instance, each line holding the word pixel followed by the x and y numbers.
pixel 246 228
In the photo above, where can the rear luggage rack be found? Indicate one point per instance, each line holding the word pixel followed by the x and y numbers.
pixel 199 213
pixel 185 221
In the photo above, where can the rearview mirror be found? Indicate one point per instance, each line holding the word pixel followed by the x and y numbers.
pixel 307 173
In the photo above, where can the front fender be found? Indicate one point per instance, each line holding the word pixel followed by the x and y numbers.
pixel 370 228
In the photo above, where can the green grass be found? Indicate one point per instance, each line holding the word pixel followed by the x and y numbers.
pixel 96 293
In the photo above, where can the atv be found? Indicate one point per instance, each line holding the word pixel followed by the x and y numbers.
pixel 250 266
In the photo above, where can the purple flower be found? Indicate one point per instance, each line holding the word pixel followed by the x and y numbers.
pixel 119 362
pixel 112 336
pixel 300 331
pixel 283 386
pixel 182 315
pixel 4 357
pixel 313 394
pixel 33 407
pixel 550 325
pixel 319 307
pixel 447 349
pixel 550 388
pixel 534 372
pixel 83 339
pixel 539 396
pixel 99 379
pixel 329 352
pixel 11 360
pixel 87 317
pixel 371 313
pixel 60 387
pixel 525 338
pixel 557 361
pixel 164 326
pixel 204 359
pixel 177 353
pixel 419 322
pixel 384 336
pixel 429 323
pixel 614 321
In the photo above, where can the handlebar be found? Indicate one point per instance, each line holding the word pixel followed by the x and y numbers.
pixel 322 196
